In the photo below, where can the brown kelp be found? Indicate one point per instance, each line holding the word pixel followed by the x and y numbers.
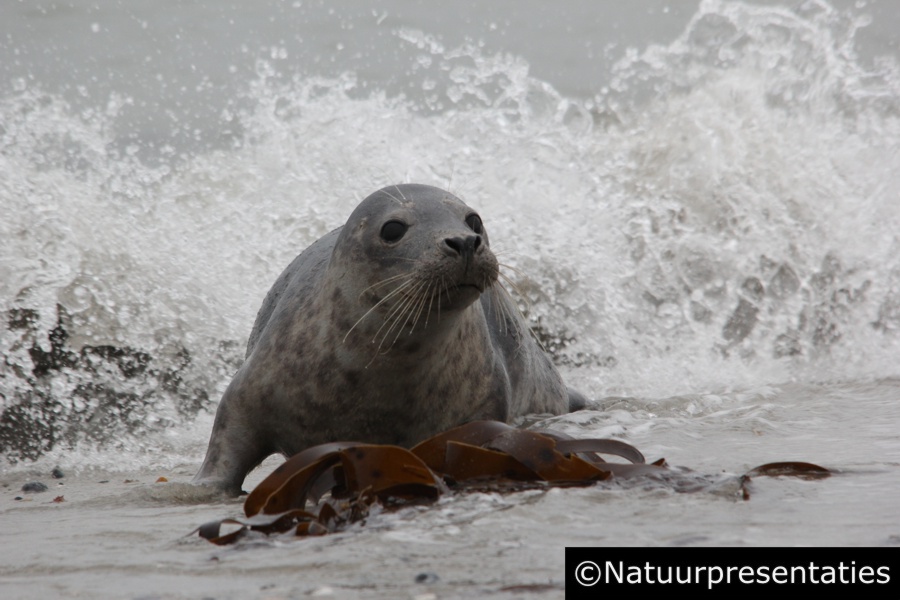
pixel 327 487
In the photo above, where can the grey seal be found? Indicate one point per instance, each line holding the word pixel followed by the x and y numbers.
pixel 390 329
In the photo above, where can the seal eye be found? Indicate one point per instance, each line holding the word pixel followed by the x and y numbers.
pixel 474 223
pixel 392 231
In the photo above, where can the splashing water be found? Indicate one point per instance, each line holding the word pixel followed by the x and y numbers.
pixel 722 215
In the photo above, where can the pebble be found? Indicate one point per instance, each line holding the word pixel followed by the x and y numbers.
pixel 34 486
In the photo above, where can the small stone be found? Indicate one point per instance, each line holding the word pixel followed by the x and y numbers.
pixel 426 578
pixel 34 486
pixel 57 473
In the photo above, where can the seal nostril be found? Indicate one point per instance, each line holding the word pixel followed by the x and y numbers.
pixel 464 246
pixel 457 244
pixel 472 243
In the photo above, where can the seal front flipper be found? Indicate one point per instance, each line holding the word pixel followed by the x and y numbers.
pixel 234 449
pixel 225 466
pixel 577 400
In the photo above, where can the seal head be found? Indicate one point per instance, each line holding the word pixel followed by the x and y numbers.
pixel 388 330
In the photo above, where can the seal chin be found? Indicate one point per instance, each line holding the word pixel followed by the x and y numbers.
pixel 458 296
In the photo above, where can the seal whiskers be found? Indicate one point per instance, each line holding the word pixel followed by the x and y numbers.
pixel 390 295
pixel 406 306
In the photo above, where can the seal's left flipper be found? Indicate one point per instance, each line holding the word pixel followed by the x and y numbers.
pixel 577 400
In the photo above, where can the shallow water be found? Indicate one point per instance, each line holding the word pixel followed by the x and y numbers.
pixel 119 539
pixel 696 201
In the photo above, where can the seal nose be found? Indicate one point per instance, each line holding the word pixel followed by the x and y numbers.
pixel 464 246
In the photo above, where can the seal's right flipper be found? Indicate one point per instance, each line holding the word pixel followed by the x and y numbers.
pixel 577 400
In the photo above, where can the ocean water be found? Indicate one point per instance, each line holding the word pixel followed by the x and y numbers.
pixel 698 203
